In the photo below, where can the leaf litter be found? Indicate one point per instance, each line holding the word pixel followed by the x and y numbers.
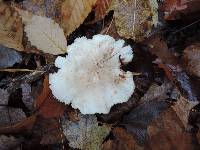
pixel 164 37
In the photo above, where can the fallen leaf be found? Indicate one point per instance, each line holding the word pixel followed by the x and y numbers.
pixel 101 8
pixel 73 13
pixel 46 104
pixel 4 95
pixel 192 59
pixel 9 142
pixel 11 27
pixel 182 109
pixel 69 14
pixel 22 126
pixel 198 136
pixel 44 33
pixel 156 92
pixel 135 18
pixel 8 57
pixel 44 8
pixel 124 140
pixel 10 116
pixel 111 30
pixel 47 130
pixel 26 96
pixel 170 8
pixel 167 132
pixel 85 134
pixel 158 46
pixel 137 121
pixel 180 79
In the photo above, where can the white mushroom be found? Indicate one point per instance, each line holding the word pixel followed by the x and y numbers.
pixel 90 77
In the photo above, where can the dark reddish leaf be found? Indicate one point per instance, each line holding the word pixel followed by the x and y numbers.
pixel 22 126
pixel 167 132
pixel 158 46
pixel 170 7
pixel 192 59
pixel 121 140
pixel 48 130
pixel 46 104
pixel 101 8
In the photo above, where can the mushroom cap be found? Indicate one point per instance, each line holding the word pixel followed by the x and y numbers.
pixel 90 76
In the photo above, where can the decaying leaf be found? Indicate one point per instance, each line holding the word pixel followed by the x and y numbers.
pixel 101 8
pixel 158 46
pixel 8 57
pixel 46 104
pixel 73 13
pixel 168 132
pixel 157 93
pixel 22 126
pixel 11 27
pixel 182 109
pixel 44 33
pixel 135 18
pixel 111 30
pixel 9 115
pixel 171 6
pixel 9 142
pixel 26 95
pixel 124 140
pixel 48 130
pixel 138 119
pixel 4 97
pixel 85 134
pixel 192 59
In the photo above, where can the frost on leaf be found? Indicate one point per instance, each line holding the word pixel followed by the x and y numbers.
pixel 90 76
pixel 135 18
pixel 85 134
pixel 44 33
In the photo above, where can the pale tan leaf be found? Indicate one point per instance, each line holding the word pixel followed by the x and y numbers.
pixel 44 33
pixel 135 18
pixel 11 28
pixel 74 12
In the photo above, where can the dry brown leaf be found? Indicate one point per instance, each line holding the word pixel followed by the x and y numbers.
pixel 73 13
pixel 124 140
pixel 70 14
pixel 135 18
pixel 111 30
pixel 11 28
pixel 46 104
pixel 192 59
pixel 101 8
pixel 167 132
pixel 22 126
pixel 158 46
pixel 48 130
pixel 182 109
